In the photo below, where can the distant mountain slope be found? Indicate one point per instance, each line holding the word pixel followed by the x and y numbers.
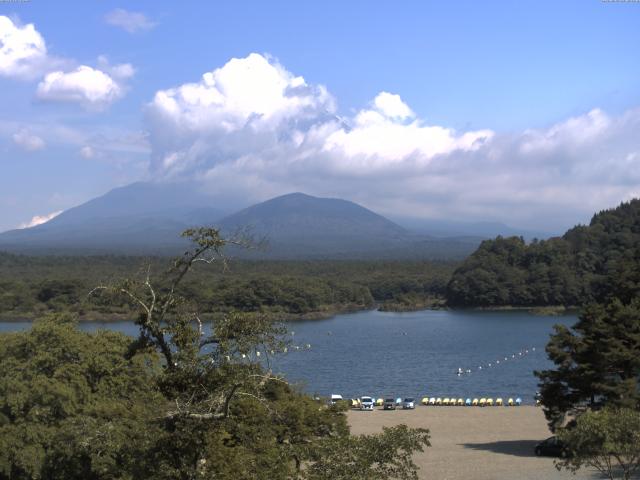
pixel 301 226
pixel 569 270
pixel 138 218
pixel 450 228
pixel 145 218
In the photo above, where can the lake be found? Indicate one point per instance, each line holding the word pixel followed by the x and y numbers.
pixel 410 354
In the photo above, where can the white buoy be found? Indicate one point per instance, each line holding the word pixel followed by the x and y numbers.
pixel 257 354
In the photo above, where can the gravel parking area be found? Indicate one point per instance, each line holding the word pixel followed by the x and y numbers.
pixel 492 443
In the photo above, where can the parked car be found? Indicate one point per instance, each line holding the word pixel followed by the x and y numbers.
pixel 552 447
pixel 408 403
pixel 389 404
pixel 335 398
pixel 366 403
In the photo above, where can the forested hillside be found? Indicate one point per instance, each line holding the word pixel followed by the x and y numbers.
pixel 569 270
pixel 31 286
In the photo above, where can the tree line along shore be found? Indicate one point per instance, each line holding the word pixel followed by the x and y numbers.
pixel 31 286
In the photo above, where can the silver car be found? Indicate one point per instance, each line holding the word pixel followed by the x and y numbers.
pixel 409 403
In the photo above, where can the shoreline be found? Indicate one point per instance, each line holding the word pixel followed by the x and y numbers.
pixel 319 315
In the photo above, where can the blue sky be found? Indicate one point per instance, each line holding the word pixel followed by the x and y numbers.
pixel 547 94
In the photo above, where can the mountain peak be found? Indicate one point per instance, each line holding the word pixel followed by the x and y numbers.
pixel 148 218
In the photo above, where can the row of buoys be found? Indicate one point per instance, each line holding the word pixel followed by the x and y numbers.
pixel 469 402
pixel 258 353
pixel 513 356
pixel 452 402
pixel 306 346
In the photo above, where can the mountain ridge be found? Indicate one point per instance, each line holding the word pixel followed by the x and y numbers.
pixel 147 218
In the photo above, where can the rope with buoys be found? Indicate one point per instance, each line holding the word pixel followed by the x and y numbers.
pixel 502 360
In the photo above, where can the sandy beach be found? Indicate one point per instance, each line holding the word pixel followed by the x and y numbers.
pixel 493 443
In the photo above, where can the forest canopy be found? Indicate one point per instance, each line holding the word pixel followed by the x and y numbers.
pixel 571 270
pixel 32 286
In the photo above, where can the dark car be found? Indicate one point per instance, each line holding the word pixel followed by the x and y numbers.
pixel 552 447
pixel 389 404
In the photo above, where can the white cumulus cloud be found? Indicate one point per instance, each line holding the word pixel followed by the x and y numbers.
pixel 28 141
pixel 40 219
pixel 379 137
pixel 23 52
pixel 248 105
pixel 131 22
pixel 91 88
pixel 391 105
pixel 250 129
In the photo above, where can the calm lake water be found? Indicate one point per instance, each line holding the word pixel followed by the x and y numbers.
pixel 410 354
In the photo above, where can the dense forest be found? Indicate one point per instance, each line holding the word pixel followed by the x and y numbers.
pixel 570 270
pixel 31 286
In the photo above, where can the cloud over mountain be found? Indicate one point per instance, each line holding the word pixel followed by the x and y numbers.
pixel 250 130
pixel 39 220
pixel 252 125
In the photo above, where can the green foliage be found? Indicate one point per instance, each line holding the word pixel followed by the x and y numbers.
pixel 32 286
pixel 572 270
pixel 598 360
pixel 385 455
pixel 72 405
pixel 607 440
